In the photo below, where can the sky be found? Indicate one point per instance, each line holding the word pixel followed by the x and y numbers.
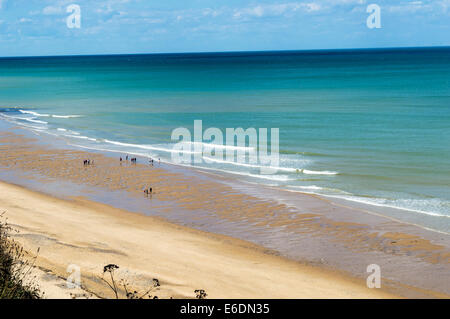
pixel 39 27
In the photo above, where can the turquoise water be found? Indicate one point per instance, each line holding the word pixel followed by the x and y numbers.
pixel 371 126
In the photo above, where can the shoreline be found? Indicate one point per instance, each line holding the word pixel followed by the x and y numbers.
pixel 304 228
pixel 427 220
pixel 422 216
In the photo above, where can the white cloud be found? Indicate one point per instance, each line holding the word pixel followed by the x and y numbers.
pixel 445 5
pixel 211 12
pixel 408 7
pixel 313 7
pixel 276 9
pixel 52 10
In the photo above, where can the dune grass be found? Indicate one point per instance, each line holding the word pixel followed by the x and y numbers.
pixel 16 281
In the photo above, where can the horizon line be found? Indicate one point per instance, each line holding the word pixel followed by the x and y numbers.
pixel 231 51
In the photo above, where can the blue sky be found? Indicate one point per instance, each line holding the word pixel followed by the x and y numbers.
pixel 38 27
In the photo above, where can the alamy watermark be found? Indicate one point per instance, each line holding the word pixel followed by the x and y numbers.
pixel 74 19
pixel 374 19
pixel 74 279
pixel 374 279
pixel 249 147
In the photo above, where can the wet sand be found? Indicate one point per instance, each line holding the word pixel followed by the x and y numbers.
pixel 339 238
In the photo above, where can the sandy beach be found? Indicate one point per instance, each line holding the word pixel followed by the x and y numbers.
pixel 92 235
pixel 323 240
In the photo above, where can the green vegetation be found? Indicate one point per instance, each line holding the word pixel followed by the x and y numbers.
pixel 15 279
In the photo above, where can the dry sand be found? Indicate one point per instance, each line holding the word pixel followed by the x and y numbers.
pixel 91 235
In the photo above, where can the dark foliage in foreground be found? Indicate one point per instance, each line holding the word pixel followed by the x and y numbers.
pixel 130 294
pixel 15 281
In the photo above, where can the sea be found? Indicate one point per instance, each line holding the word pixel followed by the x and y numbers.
pixel 370 126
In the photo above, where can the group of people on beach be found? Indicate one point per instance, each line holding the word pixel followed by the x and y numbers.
pixel 148 191
pixel 88 162
pixel 151 161
pixel 133 160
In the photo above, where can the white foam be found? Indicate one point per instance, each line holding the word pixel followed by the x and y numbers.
pixel 149 147
pixel 396 204
pixel 65 116
pixel 273 168
pixel 279 178
pixel 48 115
pixel 34 113
pixel 311 187
pixel 380 202
pixel 32 120
pixel 305 171
pixel 82 137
